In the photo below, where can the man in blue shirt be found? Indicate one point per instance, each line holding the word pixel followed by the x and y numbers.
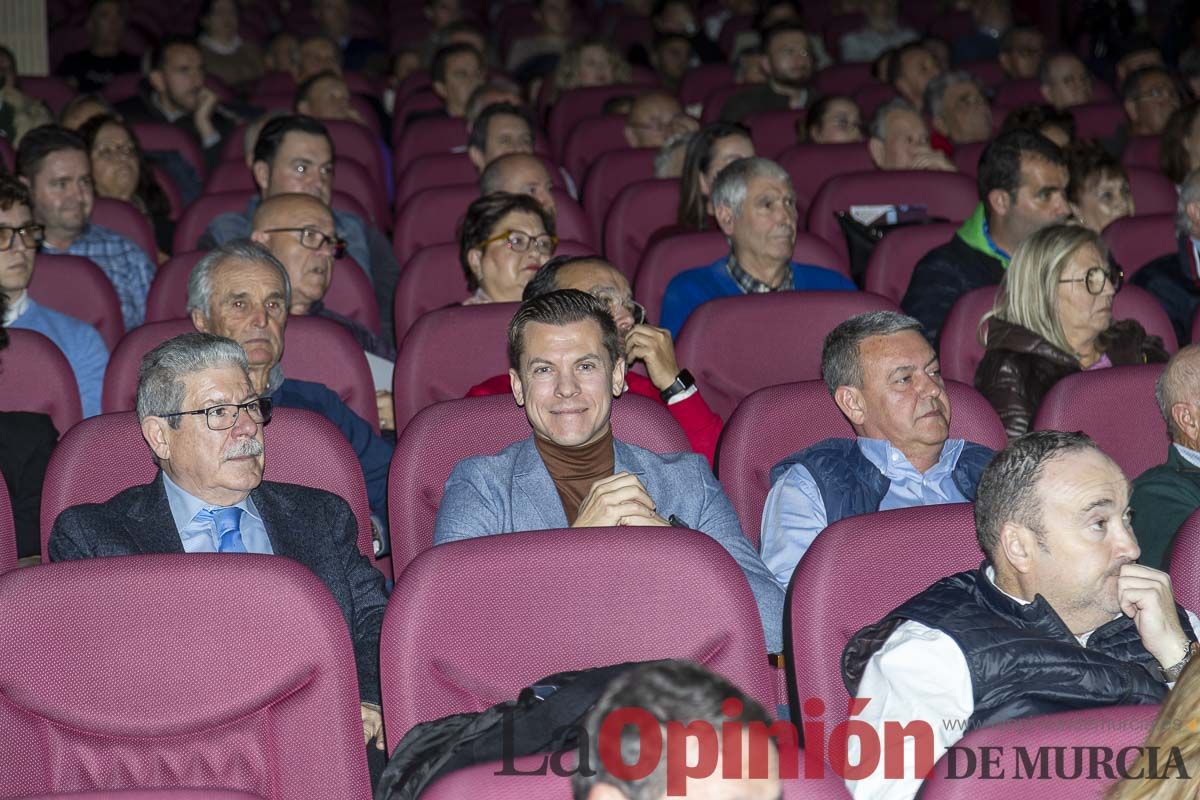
pixel 78 341
pixel 755 207
pixel 885 379
pixel 242 292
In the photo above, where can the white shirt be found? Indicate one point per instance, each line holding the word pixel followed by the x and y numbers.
pixel 15 309
pixel 920 673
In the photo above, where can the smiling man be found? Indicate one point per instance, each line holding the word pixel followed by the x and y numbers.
pixel 885 378
pixel 566 364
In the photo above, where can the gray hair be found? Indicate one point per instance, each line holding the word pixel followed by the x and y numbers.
pixel 729 187
pixel 878 125
pixel 841 362
pixel 935 91
pixel 1177 383
pixel 1189 192
pixel 200 281
pixel 164 370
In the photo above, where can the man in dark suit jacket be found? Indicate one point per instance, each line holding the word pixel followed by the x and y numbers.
pixel 209 495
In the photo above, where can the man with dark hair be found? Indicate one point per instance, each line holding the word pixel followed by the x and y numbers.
pixel 1058 616
pixel 668 384
pixel 1022 188
pixel 519 173
pixel 1066 82
pixel 1138 52
pixel 566 364
pixel 910 70
pixel 316 54
pixel 678 693
pixel 53 162
pixel 1149 97
pixel 457 70
pixel 789 68
pixel 1022 48
pixel 885 379
pixel 500 129
pixel 1057 125
pixel 92 69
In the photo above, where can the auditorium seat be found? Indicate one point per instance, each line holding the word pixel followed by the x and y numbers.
pixel 474 614
pixel 966 158
pixel 431 216
pixel 1138 240
pixel 894 258
pixel 872 96
pixel 800 415
pixel 1114 406
pixel 715 101
pixel 898 554
pixel 444 433
pixel 1153 192
pixel 353 178
pixel 638 211
pixel 52 90
pixel 36 376
pixel 1018 92
pixel 591 138
pixel 176 672
pixel 1142 151
pixel 75 286
pixel 1098 119
pixel 426 137
pixel 195 219
pixel 357 142
pixel 1183 561
pixel 843 78
pixel 811 165
pixel 574 105
pixel 125 219
pixel 434 169
pixel 773 131
pixel 701 79
pixel 608 174
pixel 8 534
pixel 105 455
pixel 230 176
pixel 162 137
pixel 728 364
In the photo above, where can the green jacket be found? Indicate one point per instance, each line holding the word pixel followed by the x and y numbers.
pixel 1163 497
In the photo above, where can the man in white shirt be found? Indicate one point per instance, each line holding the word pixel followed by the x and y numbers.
pixel 1053 620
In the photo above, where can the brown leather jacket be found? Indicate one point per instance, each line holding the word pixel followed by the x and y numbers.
pixel 1020 367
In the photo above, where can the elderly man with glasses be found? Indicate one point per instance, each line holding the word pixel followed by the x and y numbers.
pixel 652 346
pixel 203 419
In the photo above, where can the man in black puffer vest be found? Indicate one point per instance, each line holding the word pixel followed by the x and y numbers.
pixel 1058 617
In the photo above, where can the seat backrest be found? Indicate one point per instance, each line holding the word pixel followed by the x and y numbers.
pixel 431 216
pixel 1114 406
pixel 168 290
pixel 427 137
pixel 52 90
pixel 946 195
pixel 106 454
pixel 1108 729
pixel 571 222
pixel 230 176
pixel 773 131
pixel 75 286
pixel 574 105
pixel 1136 241
pixel 591 138
pixel 1183 562
pixel 241 678
pixel 608 174
pixel 1142 151
pixel 356 142
pixel 162 137
pixel 716 99
pixel 898 554
pixel 728 365
pixel 431 279
pixel 894 258
pixel 959 350
pixel 36 376
pixel 1134 302
pixel 966 158
pixel 810 165
pixel 196 217
pixel 462 620
pixel 1153 192
pixel 872 96
pixel 700 80
pixel 843 78
pixel 1018 92
pixel 800 415
pixel 638 211
pixel 434 169
pixel 8 534
pixel 355 179
pixel 123 218
pixel 351 293
pixel 1098 120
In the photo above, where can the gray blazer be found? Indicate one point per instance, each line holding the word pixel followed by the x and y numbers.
pixel 310 526
pixel 513 491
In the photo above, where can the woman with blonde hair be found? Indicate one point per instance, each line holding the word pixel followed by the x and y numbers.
pixel 1052 318
pixel 590 62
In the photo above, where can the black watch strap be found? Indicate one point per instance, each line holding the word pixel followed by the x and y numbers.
pixel 683 382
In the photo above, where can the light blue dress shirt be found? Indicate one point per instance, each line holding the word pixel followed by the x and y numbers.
pixel 1189 455
pixel 795 511
pixel 202 537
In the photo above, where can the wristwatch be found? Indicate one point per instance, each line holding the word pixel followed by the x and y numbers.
pixel 1171 673
pixel 683 382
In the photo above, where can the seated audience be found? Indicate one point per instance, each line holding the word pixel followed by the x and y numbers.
pixel 1165 736
pixel 441 13
pixel 750 66
pixel 685 694
pixel 883 31
pixel 1138 52
pixel 457 70
pixel 556 22
pixel 884 377
pixel 1149 97
pixel 1098 190
pixel 671 56
pixel 654 118
pixel 234 61
pixel 520 173
pixel 78 341
pixel 1163 497
pixel 755 208
pixel 566 365
pixel 1022 48
pixel 19 113
pixel 667 383
pixel 834 119
pixel 991 18
pixel 499 129
pixel 82 107
pixel 958 108
pixel 668 162
pixel 1179 151
pixel 317 53
pixel 505 239
pixel 121 171
pixel 910 71
pixel 789 70
pixel 203 421
pixel 359 54
pixel 242 292
pixel 1052 318
pixel 939 48
pixel 900 140
pixel 1065 81
pixel 590 62
pixel 326 96
pixel 1174 278
pixel 712 149
pixel 1057 125
pixel 460 31
pixel 1057 617
pixel 678 18
pixel 92 69
pixel 53 162
pixel 496 90
pixel 283 54
pixel 1022 187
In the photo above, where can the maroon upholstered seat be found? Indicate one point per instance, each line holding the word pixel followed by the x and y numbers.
pixel 8 534
pixel 608 174
pixel 431 216
pixel 159 136
pixel 843 78
pixel 591 138
pixel 773 131
pixel 36 376
pixel 77 287
pixel 1183 561
pixel 574 105
pixel 810 165
pixel 702 79
pixel 434 169
pixel 125 219
pixel 1142 151
pixel 638 211
pixel 427 137
pixel 1153 192
pixel 1138 240
pixel 895 257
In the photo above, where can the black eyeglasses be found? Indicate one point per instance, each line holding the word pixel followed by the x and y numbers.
pixel 1096 277
pixel 225 416
pixel 31 235
pixel 313 239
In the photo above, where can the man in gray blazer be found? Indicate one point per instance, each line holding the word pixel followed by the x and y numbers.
pixel 566 366
pixel 203 422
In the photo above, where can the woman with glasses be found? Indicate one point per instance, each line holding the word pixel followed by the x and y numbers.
pixel 505 239
pixel 1053 318
pixel 120 171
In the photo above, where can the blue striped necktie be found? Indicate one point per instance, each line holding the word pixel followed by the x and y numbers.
pixel 228 523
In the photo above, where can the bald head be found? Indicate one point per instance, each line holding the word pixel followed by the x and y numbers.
pixel 1178 395
pixel 650 118
pixel 519 173
pixel 299 230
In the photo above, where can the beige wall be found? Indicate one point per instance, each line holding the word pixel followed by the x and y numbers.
pixel 23 30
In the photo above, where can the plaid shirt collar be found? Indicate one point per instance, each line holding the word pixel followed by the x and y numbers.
pixel 750 284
